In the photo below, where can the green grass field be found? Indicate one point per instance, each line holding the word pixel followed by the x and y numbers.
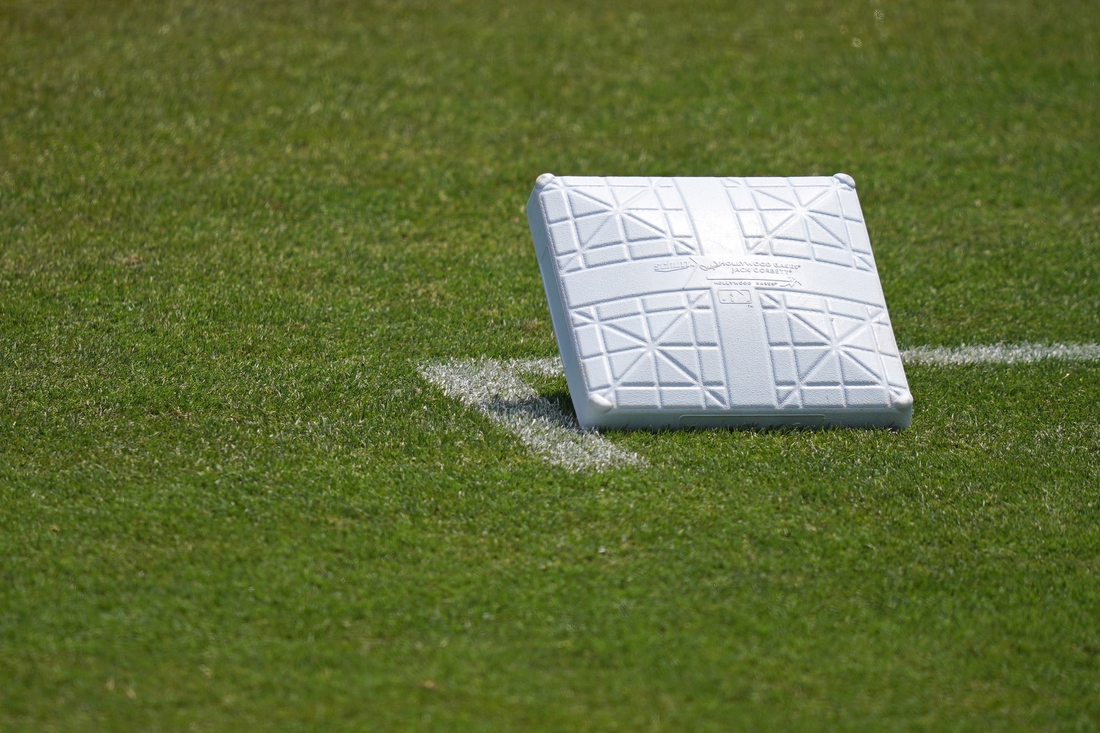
pixel 230 233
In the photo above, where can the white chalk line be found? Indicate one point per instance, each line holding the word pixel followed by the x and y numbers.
pixel 497 389
pixel 1023 353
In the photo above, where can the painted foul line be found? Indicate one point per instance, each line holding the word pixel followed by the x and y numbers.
pixel 1001 354
pixel 497 389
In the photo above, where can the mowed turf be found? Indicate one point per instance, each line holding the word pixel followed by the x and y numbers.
pixel 230 232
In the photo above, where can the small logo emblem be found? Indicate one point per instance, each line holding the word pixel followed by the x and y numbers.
pixel 673 266
pixel 735 297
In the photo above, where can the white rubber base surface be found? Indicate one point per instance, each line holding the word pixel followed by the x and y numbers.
pixel 687 302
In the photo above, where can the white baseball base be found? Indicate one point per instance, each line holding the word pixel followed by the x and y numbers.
pixel 710 302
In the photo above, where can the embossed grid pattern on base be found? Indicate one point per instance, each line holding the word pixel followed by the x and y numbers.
pixel 814 218
pixel 831 352
pixel 658 351
pixel 604 221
